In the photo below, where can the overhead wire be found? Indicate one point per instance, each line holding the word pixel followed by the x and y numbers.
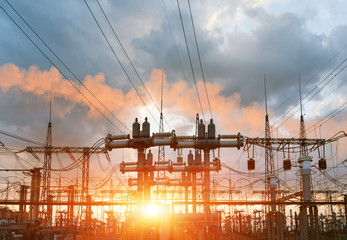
pixel 46 56
pixel 316 74
pixel 329 116
pixel 176 50
pixel 21 138
pixel 190 59
pixel 198 51
pixel 120 63
pixel 334 75
pixel 127 56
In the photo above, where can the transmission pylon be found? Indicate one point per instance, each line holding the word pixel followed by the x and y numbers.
pixel 270 178
pixel 47 164
pixel 161 150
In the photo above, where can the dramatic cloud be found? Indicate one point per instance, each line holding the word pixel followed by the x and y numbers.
pixel 239 42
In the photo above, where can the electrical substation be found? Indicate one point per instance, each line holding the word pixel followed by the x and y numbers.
pixel 174 199
pixel 145 183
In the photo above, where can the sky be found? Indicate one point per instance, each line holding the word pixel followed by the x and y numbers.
pixel 240 43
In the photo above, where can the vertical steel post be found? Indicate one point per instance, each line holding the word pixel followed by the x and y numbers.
pixel 207 187
pixel 35 194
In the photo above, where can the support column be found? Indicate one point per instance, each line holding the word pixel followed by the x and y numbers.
pixel 147 179
pixel 194 191
pixel 49 209
pixel 35 194
pixel 186 198
pixel 272 185
pixel 140 164
pixel 305 163
pixel 89 211
pixel 303 223
pixel 70 209
pixel 22 199
pixel 316 223
pixel 207 187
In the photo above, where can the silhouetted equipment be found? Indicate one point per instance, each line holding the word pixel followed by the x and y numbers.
pixel 136 129
pixel 251 164
pixel 287 165
pixel 322 164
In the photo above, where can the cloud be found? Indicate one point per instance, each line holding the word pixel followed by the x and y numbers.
pixel 180 100
pixel 239 41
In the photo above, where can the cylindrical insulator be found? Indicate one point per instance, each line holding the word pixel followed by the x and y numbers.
pixel 180 159
pixel 190 158
pixel 145 129
pixel 201 130
pixel 211 130
pixel 149 157
pixel 197 158
pixel 136 129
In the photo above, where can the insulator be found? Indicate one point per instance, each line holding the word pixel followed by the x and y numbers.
pixel 251 164
pixel 216 163
pixel 130 182
pixel 198 158
pixel 287 165
pixel 211 130
pixel 180 159
pixel 201 130
pixel 149 157
pixel 190 158
pixel 146 128
pixel 136 129
pixel 322 164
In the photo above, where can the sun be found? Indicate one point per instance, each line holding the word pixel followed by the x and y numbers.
pixel 152 210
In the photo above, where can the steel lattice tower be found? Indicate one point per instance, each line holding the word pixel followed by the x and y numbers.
pixel 47 164
pixel 161 150
pixel 269 162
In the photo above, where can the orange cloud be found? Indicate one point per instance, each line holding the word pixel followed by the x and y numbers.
pixel 180 101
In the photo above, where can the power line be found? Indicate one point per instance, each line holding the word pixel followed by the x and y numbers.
pixel 197 49
pixel 55 64
pixel 127 56
pixel 315 75
pixel 334 75
pixel 190 60
pixel 114 53
pixel 20 138
pixel 176 50
pixel 307 95
pixel 330 116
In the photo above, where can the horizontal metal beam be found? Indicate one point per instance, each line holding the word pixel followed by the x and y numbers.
pixel 54 149
pixel 237 203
